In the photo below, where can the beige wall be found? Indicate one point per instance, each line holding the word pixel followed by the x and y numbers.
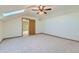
pixel 12 28
pixel 1 31
pixel 38 26
pixel 66 25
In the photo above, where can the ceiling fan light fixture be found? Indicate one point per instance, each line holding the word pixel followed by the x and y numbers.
pixel 40 13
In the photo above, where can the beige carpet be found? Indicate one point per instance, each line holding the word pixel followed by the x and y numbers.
pixel 39 43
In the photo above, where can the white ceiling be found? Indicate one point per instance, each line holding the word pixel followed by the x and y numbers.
pixel 57 10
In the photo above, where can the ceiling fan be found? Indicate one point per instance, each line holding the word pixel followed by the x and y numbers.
pixel 41 9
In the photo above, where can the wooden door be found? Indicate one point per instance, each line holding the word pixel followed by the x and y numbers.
pixel 31 27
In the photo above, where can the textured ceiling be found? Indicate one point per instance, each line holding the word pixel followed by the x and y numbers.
pixel 56 10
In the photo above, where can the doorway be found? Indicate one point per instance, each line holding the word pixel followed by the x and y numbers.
pixel 28 27
pixel 25 27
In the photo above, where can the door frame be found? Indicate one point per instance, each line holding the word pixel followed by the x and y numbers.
pixel 28 26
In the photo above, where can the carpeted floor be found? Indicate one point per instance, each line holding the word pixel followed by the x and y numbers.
pixel 38 43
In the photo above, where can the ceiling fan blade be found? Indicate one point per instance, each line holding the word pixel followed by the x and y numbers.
pixel 48 9
pixel 45 12
pixel 37 12
pixel 41 8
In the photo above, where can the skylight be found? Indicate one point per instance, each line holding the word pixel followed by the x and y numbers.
pixel 13 12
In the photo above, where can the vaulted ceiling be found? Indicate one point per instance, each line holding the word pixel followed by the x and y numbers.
pixel 56 10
